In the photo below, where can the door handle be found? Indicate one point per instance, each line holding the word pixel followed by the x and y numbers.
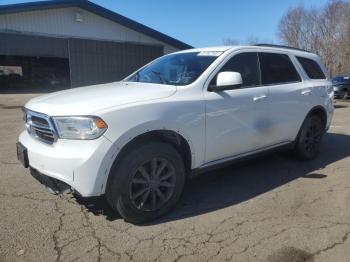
pixel 259 98
pixel 306 92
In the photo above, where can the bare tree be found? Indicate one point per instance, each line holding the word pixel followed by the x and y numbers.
pixel 229 41
pixel 324 31
pixel 251 40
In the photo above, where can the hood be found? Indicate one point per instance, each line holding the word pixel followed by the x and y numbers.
pixel 91 99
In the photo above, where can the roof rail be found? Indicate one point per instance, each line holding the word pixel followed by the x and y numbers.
pixel 282 46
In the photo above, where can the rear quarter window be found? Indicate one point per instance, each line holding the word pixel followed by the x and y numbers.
pixel 311 68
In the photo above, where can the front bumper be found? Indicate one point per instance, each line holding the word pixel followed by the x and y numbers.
pixel 82 164
pixel 53 185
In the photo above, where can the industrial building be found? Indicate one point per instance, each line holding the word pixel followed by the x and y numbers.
pixel 70 43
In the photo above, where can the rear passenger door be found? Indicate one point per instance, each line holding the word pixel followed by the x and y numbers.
pixel 288 96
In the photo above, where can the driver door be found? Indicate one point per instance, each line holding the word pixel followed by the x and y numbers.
pixel 236 119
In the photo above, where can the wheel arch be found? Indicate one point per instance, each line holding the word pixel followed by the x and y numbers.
pixel 175 138
pixel 319 111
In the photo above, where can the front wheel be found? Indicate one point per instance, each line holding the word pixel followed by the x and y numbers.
pixel 309 139
pixel 147 182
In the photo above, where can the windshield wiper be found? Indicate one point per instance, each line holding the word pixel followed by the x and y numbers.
pixel 161 77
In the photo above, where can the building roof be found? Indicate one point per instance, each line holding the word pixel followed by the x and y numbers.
pixel 98 10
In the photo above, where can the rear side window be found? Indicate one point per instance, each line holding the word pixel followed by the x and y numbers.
pixel 277 69
pixel 247 65
pixel 311 68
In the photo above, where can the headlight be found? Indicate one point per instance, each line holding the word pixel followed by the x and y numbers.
pixel 79 127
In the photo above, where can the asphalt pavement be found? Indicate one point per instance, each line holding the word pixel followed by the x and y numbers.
pixel 273 208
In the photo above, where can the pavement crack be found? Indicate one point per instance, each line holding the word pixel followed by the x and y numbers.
pixel 8 163
pixel 93 230
pixel 27 196
pixel 57 248
pixel 343 240
pixel 264 239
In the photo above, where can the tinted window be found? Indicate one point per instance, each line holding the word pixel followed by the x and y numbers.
pixel 277 69
pixel 311 68
pixel 247 65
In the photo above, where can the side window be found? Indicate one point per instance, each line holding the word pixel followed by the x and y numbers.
pixel 277 69
pixel 311 68
pixel 247 65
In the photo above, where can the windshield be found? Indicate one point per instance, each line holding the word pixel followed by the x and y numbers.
pixel 177 69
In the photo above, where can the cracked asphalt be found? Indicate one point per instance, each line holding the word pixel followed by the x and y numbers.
pixel 272 209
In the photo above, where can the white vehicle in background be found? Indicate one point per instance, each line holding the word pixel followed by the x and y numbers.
pixel 137 140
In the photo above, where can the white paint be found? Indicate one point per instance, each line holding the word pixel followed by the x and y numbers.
pixel 229 79
pixel 217 125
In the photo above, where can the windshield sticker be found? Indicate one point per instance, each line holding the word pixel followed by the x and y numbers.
pixel 209 53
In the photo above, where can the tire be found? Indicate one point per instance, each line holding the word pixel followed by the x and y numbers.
pixel 344 95
pixel 309 138
pixel 146 182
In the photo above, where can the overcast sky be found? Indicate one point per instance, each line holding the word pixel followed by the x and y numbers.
pixel 205 23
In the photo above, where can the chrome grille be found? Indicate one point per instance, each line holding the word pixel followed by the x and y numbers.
pixel 40 126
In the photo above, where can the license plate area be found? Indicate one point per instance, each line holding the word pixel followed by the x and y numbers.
pixel 22 154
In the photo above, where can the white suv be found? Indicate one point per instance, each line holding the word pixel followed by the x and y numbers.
pixel 137 140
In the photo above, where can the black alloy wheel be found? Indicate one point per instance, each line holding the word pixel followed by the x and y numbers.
pixel 146 182
pixel 309 139
pixel 152 185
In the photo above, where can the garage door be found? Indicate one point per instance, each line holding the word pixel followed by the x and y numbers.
pixel 30 64
pixel 94 62
pixel 30 45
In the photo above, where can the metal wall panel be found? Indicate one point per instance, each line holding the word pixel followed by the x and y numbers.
pixel 62 22
pixel 30 45
pixel 90 61
pixel 94 62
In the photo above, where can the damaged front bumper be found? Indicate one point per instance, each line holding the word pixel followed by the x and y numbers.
pixel 53 185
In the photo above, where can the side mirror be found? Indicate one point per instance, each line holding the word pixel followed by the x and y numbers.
pixel 227 81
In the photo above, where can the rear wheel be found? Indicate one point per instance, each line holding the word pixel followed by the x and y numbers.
pixel 309 139
pixel 147 182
